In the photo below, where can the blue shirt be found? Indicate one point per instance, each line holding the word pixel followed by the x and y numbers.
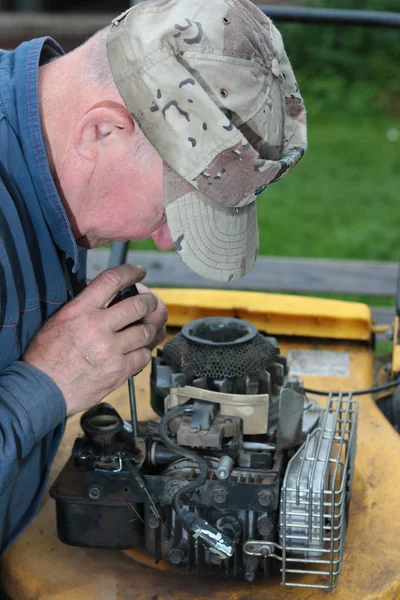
pixel 41 267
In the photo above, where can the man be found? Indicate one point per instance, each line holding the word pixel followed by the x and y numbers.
pixel 166 125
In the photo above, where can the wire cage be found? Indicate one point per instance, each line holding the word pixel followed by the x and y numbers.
pixel 315 500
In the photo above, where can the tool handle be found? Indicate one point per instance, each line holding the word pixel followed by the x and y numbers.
pixel 127 292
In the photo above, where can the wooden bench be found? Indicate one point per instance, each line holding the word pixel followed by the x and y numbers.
pixel 273 274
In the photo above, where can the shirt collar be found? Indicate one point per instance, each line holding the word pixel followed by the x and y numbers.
pixel 26 121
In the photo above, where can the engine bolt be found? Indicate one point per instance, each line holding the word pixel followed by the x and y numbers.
pixel 174 486
pixel 265 551
pixel 220 495
pixel 176 556
pixel 153 522
pixel 94 492
pixel 265 526
pixel 215 559
pixel 265 498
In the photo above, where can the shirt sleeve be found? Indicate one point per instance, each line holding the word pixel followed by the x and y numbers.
pixel 31 405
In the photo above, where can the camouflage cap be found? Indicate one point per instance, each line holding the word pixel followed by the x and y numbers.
pixel 210 85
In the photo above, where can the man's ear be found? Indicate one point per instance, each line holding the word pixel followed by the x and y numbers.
pixel 104 123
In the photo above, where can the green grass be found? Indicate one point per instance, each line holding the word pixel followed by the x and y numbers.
pixel 342 200
pixel 383 348
pixel 382 301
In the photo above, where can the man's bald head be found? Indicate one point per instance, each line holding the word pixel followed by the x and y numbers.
pixel 96 69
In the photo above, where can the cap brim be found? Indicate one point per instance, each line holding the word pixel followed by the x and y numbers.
pixel 214 241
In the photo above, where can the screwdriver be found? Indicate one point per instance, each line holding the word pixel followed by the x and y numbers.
pixel 129 292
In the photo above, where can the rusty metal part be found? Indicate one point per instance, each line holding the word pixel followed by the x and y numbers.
pixel 94 492
pixel 220 495
pixel 265 525
pixel 221 427
pixel 265 498
pixel 138 479
pixel 140 457
pixel 259 548
pixel 174 486
pixel 252 409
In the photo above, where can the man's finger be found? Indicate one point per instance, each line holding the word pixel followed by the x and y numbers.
pixel 159 319
pixel 138 360
pixel 136 337
pixel 159 338
pixel 130 310
pixel 101 290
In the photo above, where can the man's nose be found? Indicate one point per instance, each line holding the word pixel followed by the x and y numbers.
pixel 162 238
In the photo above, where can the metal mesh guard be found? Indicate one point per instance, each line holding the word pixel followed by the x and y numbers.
pixel 315 499
pixel 232 359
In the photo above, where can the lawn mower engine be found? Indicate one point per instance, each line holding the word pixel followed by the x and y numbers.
pixel 242 471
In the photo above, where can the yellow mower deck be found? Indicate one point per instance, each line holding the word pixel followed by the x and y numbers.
pixel 39 566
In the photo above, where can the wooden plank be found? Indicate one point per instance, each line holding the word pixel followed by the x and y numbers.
pixel 36 24
pixel 28 5
pixel 382 315
pixel 303 275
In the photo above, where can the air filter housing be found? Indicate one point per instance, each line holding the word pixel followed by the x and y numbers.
pixel 218 354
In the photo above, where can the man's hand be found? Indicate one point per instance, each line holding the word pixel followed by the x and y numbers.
pixel 90 349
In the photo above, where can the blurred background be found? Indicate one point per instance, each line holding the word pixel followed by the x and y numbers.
pixel 342 200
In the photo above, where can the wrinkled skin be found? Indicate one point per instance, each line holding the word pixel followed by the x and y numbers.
pixel 89 349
